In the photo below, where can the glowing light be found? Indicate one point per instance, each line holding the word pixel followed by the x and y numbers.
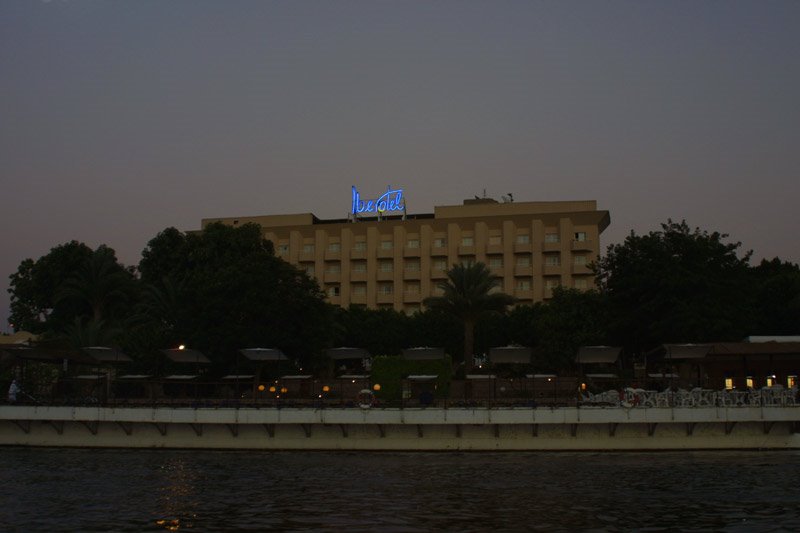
pixel 326 388
pixel 391 200
pixel 284 390
pixel 376 387
pixel 261 388
pixel 272 388
pixel 182 347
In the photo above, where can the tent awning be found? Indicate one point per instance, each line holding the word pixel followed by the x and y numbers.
pixel 686 351
pixel 598 354
pixel 263 354
pixel 423 353
pixel 186 356
pixel 104 354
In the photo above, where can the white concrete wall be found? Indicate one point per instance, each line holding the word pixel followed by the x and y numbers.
pixel 406 429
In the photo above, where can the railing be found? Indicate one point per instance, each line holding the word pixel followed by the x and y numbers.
pixel 639 398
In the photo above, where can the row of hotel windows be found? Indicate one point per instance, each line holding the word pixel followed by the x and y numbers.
pixel 493 262
pixel 437 243
pixel 522 285
pixel 770 381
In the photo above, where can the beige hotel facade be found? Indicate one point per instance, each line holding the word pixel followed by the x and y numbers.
pixel 396 261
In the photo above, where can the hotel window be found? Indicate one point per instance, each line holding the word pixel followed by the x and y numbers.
pixel 729 383
pixel 523 239
pixel 439 243
pixel 359 266
pixel 412 288
pixel 308 248
pixel 334 247
pixel 385 288
pixel 283 249
pixel 412 266
pixel 771 380
pixel 440 264
pixel 413 243
pixel 791 381
pixel 551 237
pixel 333 290
pixel 580 236
pixel 580 283
pixel 524 261
pixel 359 289
pixel 551 283
pixel 523 285
pixel 387 245
pixel 552 260
pixel 333 268
pixel 467 241
pixel 466 260
pixel 495 240
pixel 495 262
pixel 360 246
pixel 411 309
pixel 386 266
pixel 749 382
pixel 310 271
pixel 579 260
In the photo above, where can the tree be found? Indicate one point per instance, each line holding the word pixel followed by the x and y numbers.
pixel 571 319
pixel 777 307
pixel 223 289
pixel 675 285
pixel 38 295
pixel 468 294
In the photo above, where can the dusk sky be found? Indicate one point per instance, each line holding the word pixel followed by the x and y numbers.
pixel 119 119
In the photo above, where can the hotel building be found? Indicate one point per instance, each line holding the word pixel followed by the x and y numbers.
pixel 396 261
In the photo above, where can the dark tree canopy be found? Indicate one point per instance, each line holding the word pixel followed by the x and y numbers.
pixel 675 285
pixel 223 289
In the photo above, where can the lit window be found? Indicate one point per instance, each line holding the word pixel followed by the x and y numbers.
pixel 750 382
pixel 771 380
pixel 413 243
pixel 467 241
pixel 523 239
pixel 791 381
pixel 729 383
pixel 386 245
pixel 551 237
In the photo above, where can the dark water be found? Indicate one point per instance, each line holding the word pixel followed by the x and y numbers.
pixel 105 490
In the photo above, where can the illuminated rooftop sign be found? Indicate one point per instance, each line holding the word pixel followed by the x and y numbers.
pixel 389 202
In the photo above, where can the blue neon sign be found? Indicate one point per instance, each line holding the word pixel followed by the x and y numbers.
pixel 390 201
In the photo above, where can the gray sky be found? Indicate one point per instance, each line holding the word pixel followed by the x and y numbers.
pixel 119 119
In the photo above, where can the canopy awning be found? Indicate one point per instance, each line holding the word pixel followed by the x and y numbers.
pixel 186 355
pixel 423 353
pixel 263 354
pixel 104 354
pixel 598 354
pixel 686 351
pixel 510 354
pixel 346 352
pixel 422 377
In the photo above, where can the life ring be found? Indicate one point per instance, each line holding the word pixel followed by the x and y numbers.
pixel 365 399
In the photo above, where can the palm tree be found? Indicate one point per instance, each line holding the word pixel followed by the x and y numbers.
pixel 100 285
pixel 468 294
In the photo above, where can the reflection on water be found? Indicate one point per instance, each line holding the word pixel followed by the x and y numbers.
pixel 134 490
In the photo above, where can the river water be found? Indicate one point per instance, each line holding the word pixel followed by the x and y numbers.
pixel 158 490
